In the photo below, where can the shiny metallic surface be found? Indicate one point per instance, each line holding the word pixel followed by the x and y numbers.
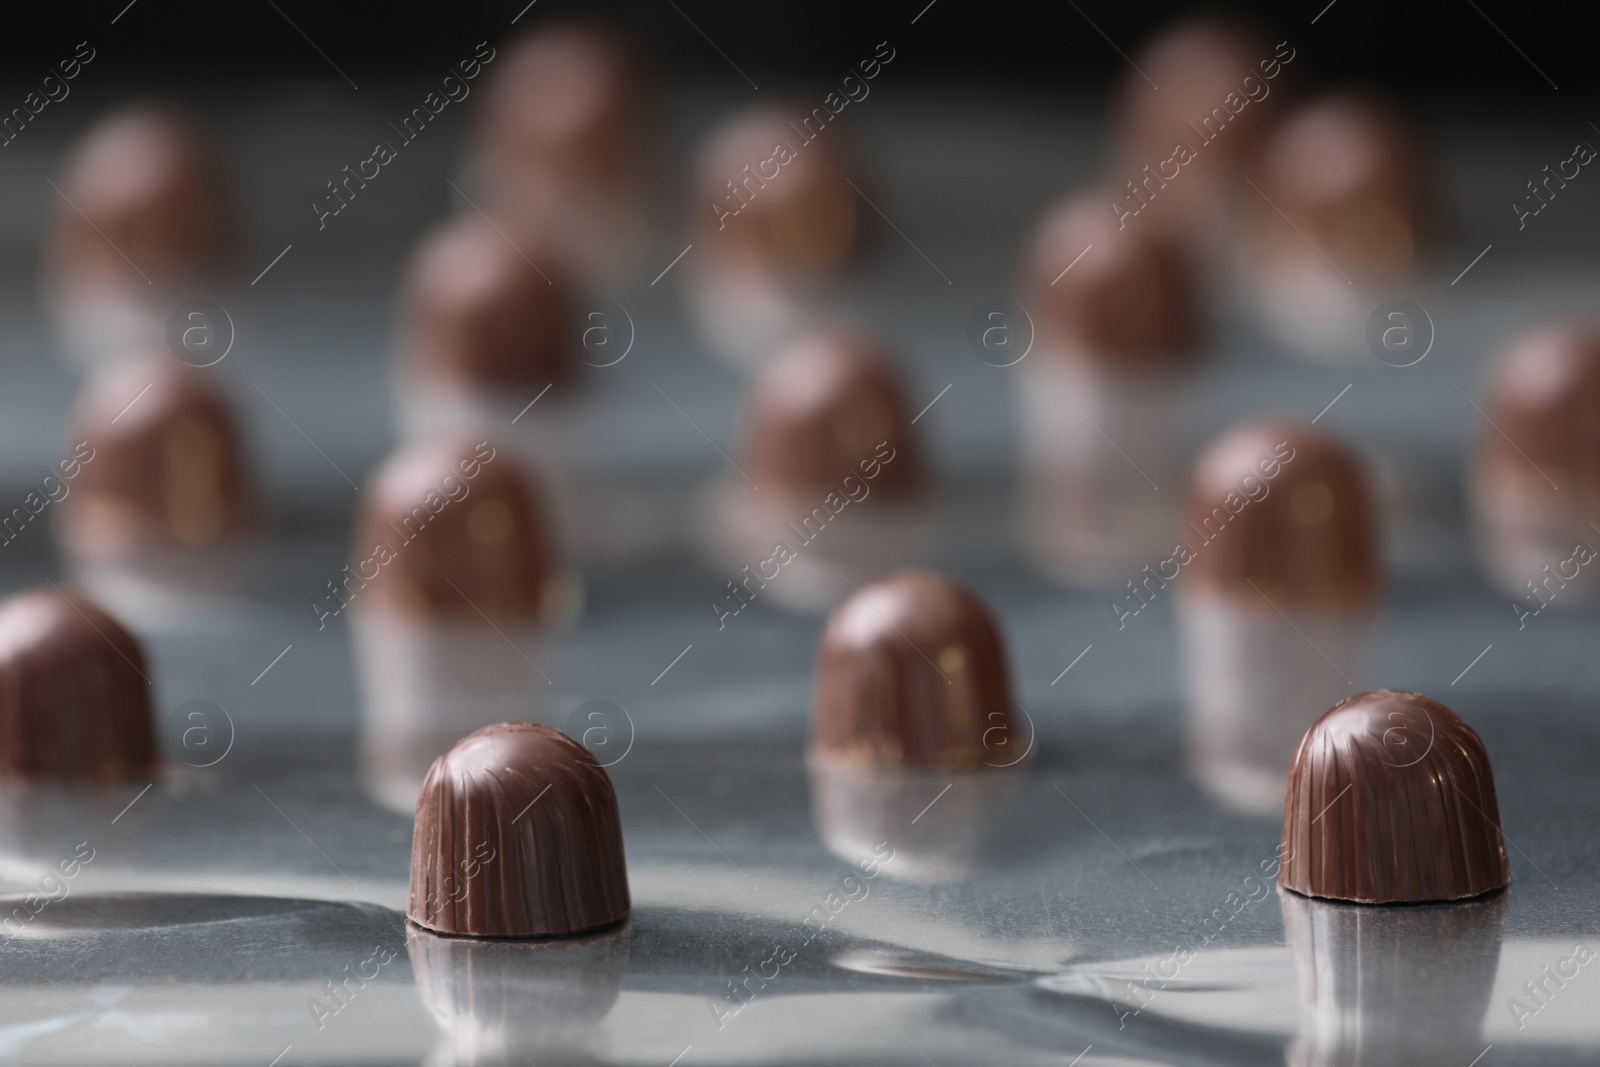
pixel 1091 906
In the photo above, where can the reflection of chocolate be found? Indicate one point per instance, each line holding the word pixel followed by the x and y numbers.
pixel 912 673
pixel 1391 800
pixel 1393 987
pixel 1345 177
pixel 828 405
pixel 1130 301
pixel 168 467
pixel 494 997
pixel 1285 508
pixel 476 310
pixel 874 810
pixel 768 197
pixel 1201 65
pixel 517 835
pixel 567 101
pixel 453 530
pixel 74 699
pixel 145 183
pixel 1544 402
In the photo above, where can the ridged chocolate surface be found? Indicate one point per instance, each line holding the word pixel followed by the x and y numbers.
pixel 1197 62
pixel 476 310
pixel 453 529
pixel 146 183
pixel 1544 401
pixel 1310 541
pixel 799 217
pixel 169 465
pixel 1347 174
pixel 1130 302
pixel 568 100
pixel 517 835
pixel 1391 800
pixel 74 699
pixel 912 672
pixel 821 408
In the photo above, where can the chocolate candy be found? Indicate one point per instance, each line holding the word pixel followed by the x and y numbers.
pixel 149 202
pixel 1279 509
pixel 568 102
pixel 1544 402
pixel 517 835
pixel 74 693
pixel 912 673
pixel 453 530
pixel 1130 302
pixel 773 192
pixel 1347 179
pixel 167 470
pixel 477 311
pixel 828 405
pixel 1391 800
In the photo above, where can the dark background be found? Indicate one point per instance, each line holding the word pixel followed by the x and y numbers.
pixel 1425 50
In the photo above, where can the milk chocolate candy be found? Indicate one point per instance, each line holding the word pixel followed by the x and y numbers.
pixel 1536 471
pixel 912 674
pixel 831 405
pixel 1281 512
pixel 479 314
pixel 567 101
pixel 1345 177
pixel 1391 801
pixel 773 193
pixel 517 835
pixel 164 469
pixel 144 202
pixel 1280 588
pixel 1123 300
pixel 453 530
pixel 74 693
pixel 1221 82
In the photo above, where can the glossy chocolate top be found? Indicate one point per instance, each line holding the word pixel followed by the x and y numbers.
pixel 149 199
pixel 517 835
pixel 1130 302
pixel 1543 398
pixel 163 462
pixel 766 195
pixel 1391 800
pixel 1197 63
pixel 1279 515
pixel 912 673
pixel 570 99
pixel 1347 174
pixel 476 309
pixel 831 404
pixel 74 693
pixel 452 529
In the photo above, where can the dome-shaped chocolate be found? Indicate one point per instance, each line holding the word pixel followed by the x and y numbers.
pixel 476 310
pixel 773 191
pixel 831 404
pixel 569 101
pixel 74 693
pixel 1544 401
pixel 517 835
pixel 169 467
pixel 149 202
pixel 1346 178
pixel 1221 82
pixel 1391 800
pixel 912 673
pixel 451 529
pixel 1130 302
pixel 1280 510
